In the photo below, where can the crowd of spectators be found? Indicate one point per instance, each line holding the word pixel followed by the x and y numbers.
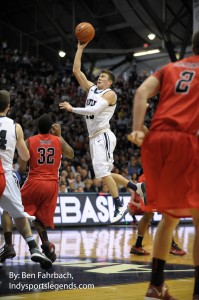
pixel 36 87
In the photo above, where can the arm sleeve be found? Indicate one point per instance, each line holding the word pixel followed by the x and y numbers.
pixel 100 105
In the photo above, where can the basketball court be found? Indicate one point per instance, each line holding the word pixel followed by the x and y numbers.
pixel 94 262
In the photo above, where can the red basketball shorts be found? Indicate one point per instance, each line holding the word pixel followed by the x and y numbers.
pixel 171 165
pixel 39 199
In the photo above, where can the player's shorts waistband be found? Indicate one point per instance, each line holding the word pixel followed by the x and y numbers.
pixel 98 132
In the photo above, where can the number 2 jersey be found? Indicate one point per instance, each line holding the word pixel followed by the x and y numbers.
pixel 100 122
pixel 179 97
pixel 45 156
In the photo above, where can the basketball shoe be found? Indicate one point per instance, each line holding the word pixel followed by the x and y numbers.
pixel 158 292
pixel 39 257
pixel 139 251
pixel 119 214
pixel 175 250
pixel 49 250
pixel 7 251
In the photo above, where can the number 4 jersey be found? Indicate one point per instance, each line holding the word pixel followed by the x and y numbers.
pixel 7 142
pixel 45 156
pixel 179 97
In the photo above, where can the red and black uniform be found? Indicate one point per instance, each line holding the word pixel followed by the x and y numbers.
pixel 39 193
pixel 170 150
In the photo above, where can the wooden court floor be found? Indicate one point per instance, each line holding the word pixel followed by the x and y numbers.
pixel 94 262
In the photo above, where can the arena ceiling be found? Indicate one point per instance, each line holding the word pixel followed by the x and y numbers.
pixel 42 27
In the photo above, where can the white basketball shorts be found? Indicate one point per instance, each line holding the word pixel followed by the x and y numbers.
pixel 101 150
pixel 10 201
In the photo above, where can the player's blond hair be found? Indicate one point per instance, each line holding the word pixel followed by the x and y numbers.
pixel 4 100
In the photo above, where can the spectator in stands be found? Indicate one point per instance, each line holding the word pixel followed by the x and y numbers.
pixel 71 177
pixel 96 185
pixel 78 181
pixel 88 185
pixel 62 187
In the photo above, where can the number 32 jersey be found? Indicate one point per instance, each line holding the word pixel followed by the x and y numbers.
pixel 179 97
pixel 45 156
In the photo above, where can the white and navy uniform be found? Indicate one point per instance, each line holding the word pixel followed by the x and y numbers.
pixel 102 140
pixel 10 201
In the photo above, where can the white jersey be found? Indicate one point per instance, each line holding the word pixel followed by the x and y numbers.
pixel 11 199
pixel 100 122
pixel 7 142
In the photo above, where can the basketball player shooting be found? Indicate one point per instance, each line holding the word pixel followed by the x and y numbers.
pixel 99 109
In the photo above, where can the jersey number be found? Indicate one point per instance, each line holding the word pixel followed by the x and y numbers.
pixel 3 140
pixel 183 84
pixel 90 117
pixel 46 156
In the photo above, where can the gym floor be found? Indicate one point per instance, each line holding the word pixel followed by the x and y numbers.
pixel 95 262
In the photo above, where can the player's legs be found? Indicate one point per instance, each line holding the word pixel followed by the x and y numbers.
pixel 175 249
pixel 120 210
pixel 111 184
pixel 7 223
pixel 163 237
pixel 41 197
pixel 11 202
pixel 48 247
pixel 7 251
pixel 195 215
pixel 139 188
pixel 24 229
pixel 161 247
pixel 143 225
pixel 113 180
pixel 101 149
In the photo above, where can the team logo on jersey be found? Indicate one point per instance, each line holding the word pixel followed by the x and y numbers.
pixel 96 91
pixel 90 102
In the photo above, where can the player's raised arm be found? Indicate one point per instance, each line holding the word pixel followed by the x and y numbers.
pixel 66 148
pixel 21 145
pixel 80 76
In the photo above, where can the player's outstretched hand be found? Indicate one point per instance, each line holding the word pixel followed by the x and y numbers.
pixel 82 45
pixel 56 129
pixel 66 105
pixel 136 137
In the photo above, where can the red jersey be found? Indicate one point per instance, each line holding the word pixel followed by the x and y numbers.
pixel 178 106
pixel 2 179
pixel 1 168
pixel 45 156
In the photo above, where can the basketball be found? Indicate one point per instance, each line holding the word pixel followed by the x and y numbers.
pixel 84 32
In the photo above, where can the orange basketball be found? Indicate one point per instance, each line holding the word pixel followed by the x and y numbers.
pixel 84 32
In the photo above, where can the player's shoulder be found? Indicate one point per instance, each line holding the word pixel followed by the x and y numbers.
pixel 8 120
pixel 92 88
pixel 109 91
